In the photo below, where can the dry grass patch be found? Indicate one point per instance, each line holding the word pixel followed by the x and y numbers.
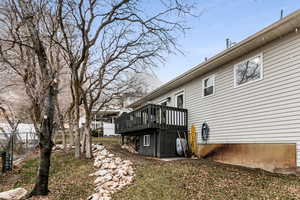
pixel 159 180
pixel 68 177
pixel 204 179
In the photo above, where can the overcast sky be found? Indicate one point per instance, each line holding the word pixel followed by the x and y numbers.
pixel 221 19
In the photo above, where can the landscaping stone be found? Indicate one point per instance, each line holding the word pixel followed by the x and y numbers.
pixel 100 172
pixel 16 194
pixel 112 175
pixel 129 149
pixel 18 161
pixel 103 179
pixel 110 155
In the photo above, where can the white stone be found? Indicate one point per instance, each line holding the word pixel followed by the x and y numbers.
pixel 97 164
pixel 105 166
pixel 101 191
pixel 18 161
pixel 112 166
pixel 105 198
pixel 110 155
pixel 95 196
pixel 103 179
pixel 128 179
pixel 107 160
pixel 100 157
pixel 118 160
pixel 127 162
pixel 101 172
pixel 122 172
pixel 116 179
pixel 104 152
pixel 16 194
pixel 110 185
pixel 113 175
pixel 130 172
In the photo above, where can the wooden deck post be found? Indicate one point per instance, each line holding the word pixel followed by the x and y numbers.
pixel 154 145
pixel 122 141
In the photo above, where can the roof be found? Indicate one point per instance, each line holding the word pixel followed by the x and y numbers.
pixel 280 28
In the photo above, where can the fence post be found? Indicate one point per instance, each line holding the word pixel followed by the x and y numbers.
pixel 26 142
pixel 12 150
pixel 3 158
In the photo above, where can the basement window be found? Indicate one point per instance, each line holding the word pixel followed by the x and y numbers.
pixel 146 140
pixel 248 71
pixel 208 85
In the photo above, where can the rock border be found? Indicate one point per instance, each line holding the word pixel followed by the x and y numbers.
pixel 112 173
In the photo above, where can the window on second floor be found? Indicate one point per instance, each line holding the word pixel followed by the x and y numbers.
pixel 248 71
pixel 208 86
pixel 179 100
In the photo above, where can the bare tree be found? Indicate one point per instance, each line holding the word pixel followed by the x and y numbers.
pixel 107 38
pixel 98 40
pixel 26 48
pixel 64 107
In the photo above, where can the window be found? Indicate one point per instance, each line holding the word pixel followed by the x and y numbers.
pixel 146 140
pixel 248 71
pixel 208 85
pixel 164 103
pixel 179 99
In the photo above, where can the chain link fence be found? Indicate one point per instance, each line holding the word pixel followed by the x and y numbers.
pixel 14 147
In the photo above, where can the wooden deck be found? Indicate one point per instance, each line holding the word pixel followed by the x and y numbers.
pixel 151 117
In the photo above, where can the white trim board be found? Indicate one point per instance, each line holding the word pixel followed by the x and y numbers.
pixel 298 154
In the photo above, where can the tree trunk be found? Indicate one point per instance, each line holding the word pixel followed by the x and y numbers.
pixel 45 144
pixel 77 142
pixel 41 185
pixel 83 139
pixel 64 140
pixel 77 112
pixel 88 141
pixel 77 130
pixel 71 134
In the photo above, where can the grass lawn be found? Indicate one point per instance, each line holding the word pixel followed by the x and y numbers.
pixel 68 177
pixel 106 140
pixel 185 179
pixel 204 179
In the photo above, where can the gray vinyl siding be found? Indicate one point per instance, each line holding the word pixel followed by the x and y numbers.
pixel 147 150
pixel 264 111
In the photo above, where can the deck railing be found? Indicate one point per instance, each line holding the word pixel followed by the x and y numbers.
pixel 151 116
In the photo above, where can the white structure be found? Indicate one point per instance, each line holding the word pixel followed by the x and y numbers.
pixel 105 123
pixel 25 131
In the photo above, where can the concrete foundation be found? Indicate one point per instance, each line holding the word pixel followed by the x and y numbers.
pixel 266 156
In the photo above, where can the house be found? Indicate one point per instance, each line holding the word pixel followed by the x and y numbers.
pixel 103 120
pixel 244 103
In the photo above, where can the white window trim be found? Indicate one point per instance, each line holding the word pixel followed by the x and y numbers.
pixel 146 145
pixel 261 71
pixel 214 86
pixel 176 94
pixel 165 100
